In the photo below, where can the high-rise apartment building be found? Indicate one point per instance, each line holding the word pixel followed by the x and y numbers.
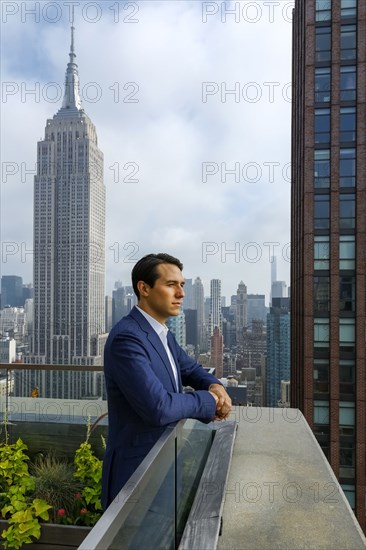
pixel 217 352
pixel 11 291
pixel 278 350
pixel 279 289
pixel 177 325
pixel 257 310
pixel 69 235
pixel 328 273
pixel 198 300
pixel 241 311
pixel 188 294
pixel 215 306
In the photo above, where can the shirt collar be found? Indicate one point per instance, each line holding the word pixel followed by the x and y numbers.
pixel 158 327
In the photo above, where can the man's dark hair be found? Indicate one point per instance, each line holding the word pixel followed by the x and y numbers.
pixel 145 269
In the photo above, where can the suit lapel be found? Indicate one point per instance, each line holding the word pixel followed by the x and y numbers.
pixel 155 341
pixel 173 349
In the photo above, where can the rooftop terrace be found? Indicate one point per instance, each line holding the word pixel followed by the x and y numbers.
pixel 261 477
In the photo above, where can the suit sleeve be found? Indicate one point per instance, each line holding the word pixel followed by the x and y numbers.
pixel 131 369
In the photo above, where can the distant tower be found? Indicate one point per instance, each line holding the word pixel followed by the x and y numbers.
pixel 177 325
pixel 278 350
pixel 198 301
pixel 273 269
pixel 217 353
pixel 279 289
pixel 273 274
pixel 12 291
pixel 215 306
pixel 69 247
pixel 188 294
pixel 241 311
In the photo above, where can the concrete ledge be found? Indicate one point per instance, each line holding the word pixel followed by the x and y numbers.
pixel 281 492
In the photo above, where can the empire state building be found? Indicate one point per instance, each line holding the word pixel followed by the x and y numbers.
pixel 69 241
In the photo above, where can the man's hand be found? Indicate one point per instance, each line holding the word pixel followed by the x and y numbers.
pixel 223 401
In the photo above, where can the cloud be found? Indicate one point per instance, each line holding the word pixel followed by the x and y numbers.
pixel 155 147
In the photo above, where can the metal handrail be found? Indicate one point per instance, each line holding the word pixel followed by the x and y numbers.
pixel 28 366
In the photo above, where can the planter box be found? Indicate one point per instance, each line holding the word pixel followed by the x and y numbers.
pixel 55 537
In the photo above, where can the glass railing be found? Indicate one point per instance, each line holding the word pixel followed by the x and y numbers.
pixel 152 509
pixel 169 501
pixel 155 506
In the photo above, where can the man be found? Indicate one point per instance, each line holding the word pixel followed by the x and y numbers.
pixel 145 370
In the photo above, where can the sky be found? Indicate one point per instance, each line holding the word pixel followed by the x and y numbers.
pixel 192 105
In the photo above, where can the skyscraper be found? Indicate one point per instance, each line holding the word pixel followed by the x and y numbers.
pixel 278 349
pixel 279 289
pixel 217 352
pixel 328 272
pixel 69 234
pixel 241 311
pixel 257 310
pixel 198 304
pixel 215 306
pixel 12 291
pixel 273 274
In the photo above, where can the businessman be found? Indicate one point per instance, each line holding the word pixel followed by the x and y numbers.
pixel 145 370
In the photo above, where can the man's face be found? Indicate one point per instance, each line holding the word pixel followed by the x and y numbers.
pixel 165 298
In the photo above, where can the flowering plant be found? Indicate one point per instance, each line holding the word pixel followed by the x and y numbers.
pixel 49 491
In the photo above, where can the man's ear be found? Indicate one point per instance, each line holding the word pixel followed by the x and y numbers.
pixel 143 288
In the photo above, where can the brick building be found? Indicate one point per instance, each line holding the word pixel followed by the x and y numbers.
pixel 328 302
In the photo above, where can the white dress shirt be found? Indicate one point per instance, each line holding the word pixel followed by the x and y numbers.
pixel 162 332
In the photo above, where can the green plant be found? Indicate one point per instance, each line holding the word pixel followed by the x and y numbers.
pixel 55 483
pixel 23 514
pixel 88 468
pixel 50 490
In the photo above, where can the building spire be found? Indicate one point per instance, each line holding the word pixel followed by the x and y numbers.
pixel 72 99
pixel 72 50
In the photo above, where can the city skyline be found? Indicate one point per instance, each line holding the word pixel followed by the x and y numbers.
pixel 183 97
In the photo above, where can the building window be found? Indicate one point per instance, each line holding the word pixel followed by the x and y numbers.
pixel 321 211
pixel 347 124
pixel 347 459
pixel 321 168
pixel 347 293
pixel 347 251
pixel 321 252
pixel 322 85
pixel 321 412
pixel 348 8
pixel 321 376
pixel 346 413
pixel 321 294
pixel 347 335
pixel 323 44
pixel 323 10
pixel 347 167
pixel 347 211
pixel 348 43
pixel 348 83
pixel 347 378
pixel 350 493
pixel 321 333
pixel 322 126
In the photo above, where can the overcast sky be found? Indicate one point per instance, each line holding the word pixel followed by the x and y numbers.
pixel 192 109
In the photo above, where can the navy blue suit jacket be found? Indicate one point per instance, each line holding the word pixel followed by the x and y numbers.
pixel 142 396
